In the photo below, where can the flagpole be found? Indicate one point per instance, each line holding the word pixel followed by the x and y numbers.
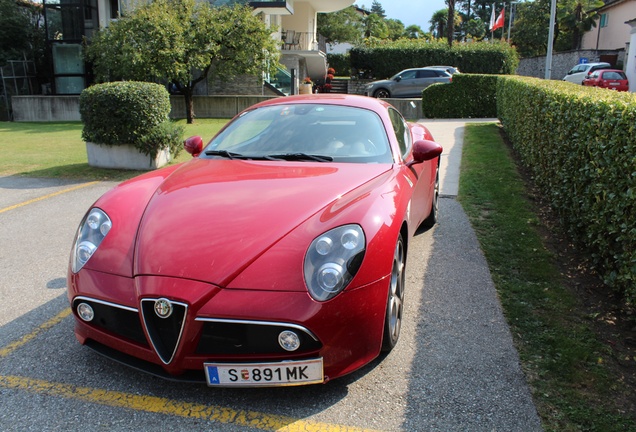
pixel 492 23
pixel 548 57
pixel 503 28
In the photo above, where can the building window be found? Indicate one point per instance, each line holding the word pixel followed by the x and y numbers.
pixel 603 22
pixel 69 23
pixel 114 9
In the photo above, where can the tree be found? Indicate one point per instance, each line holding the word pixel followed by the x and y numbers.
pixel 450 22
pixel 21 33
pixel 530 31
pixel 438 22
pixel 395 28
pixel 342 26
pixel 182 42
pixel 414 32
pixel 374 26
pixel 576 17
pixel 376 8
pixel 474 28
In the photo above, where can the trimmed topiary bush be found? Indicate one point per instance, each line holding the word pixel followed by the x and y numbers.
pixel 130 112
pixel 468 96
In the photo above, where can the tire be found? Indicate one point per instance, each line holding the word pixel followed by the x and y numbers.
pixel 433 218
pixel 395 299
pixel 382 94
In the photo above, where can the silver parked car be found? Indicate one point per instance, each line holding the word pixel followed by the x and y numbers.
pixel 579 72
pixel 408 83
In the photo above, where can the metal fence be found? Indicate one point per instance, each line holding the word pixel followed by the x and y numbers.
pixel 17 78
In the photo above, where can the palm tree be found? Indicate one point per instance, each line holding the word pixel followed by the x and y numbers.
pixel 438 22
pixel 578 17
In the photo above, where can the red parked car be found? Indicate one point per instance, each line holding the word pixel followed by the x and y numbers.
pixel 276 256
pixel 612 79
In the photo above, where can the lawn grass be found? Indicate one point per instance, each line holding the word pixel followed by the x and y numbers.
pixel 561 356
pixel 57 150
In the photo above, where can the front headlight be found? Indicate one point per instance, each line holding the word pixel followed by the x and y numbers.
pixel 91 232
pixel 332 260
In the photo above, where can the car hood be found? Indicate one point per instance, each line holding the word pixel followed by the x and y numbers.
pixel 382 82
pixel 212 218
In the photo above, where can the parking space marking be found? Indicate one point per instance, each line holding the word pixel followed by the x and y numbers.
pixel 5 351
pixel 31 201
pixel 153 404
pixel 158 405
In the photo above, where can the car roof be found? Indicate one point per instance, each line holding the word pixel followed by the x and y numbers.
pixel 342 99
pixel 597 64
pixel 610 70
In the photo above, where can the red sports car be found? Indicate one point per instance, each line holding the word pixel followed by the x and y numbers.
pixel 274 257
pixel 612 79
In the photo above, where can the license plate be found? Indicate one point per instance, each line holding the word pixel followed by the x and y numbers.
pixel 614 84
pixel 273 374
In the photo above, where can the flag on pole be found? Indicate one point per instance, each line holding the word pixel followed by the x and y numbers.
pixel 499 22
pixel 492 17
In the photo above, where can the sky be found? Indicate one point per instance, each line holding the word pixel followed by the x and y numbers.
pixel 418 12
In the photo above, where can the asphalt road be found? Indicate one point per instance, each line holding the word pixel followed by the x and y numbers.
pixel 454 369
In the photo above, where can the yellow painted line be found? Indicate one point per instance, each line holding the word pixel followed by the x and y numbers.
pixel 83 185
pixel 5 351
pixel 158 405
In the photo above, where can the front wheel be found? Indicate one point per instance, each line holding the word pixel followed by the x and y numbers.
pixel 395 301
pixel 382 94
pixel 433 217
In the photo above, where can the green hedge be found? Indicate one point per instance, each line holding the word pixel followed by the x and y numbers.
pixel 468 96
pixel 579 144
pixel 384 59
pixel 130 113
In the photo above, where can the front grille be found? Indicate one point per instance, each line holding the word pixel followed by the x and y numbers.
pixel 242 338
pixel 164 333
pixel 119 320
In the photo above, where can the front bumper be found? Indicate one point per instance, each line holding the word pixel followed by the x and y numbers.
pixel 224 325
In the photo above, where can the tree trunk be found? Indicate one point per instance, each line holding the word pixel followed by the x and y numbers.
pixel 450 24
pixel 187 94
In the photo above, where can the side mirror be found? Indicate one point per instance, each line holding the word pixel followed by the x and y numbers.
pixel 424 150
pixel 398 78
pixel 193 145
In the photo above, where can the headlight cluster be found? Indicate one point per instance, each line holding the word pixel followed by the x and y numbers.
pixel 332 260
pixel 92 231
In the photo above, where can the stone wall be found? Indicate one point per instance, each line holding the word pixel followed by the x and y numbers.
pixel 214 106
pixel 66 108
pixel 45 108
pixel 562 62
pixel 356 86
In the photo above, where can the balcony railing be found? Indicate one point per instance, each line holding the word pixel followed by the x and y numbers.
pixel 303 41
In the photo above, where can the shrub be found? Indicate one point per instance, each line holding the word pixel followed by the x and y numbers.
pixel 467 96
pixel 129 113
pixel 340 63
pixel 579 144
pixel 383 59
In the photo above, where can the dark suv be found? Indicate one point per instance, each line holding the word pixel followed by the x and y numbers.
pixel 408 83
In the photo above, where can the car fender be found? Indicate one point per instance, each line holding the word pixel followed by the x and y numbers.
pixel 380 207
pixel 125 205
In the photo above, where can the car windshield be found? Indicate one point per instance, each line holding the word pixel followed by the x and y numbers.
pixel 614 76
pixel 304 132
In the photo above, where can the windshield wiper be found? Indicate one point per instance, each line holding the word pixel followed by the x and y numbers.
pixel 226 154
pixel 301 157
